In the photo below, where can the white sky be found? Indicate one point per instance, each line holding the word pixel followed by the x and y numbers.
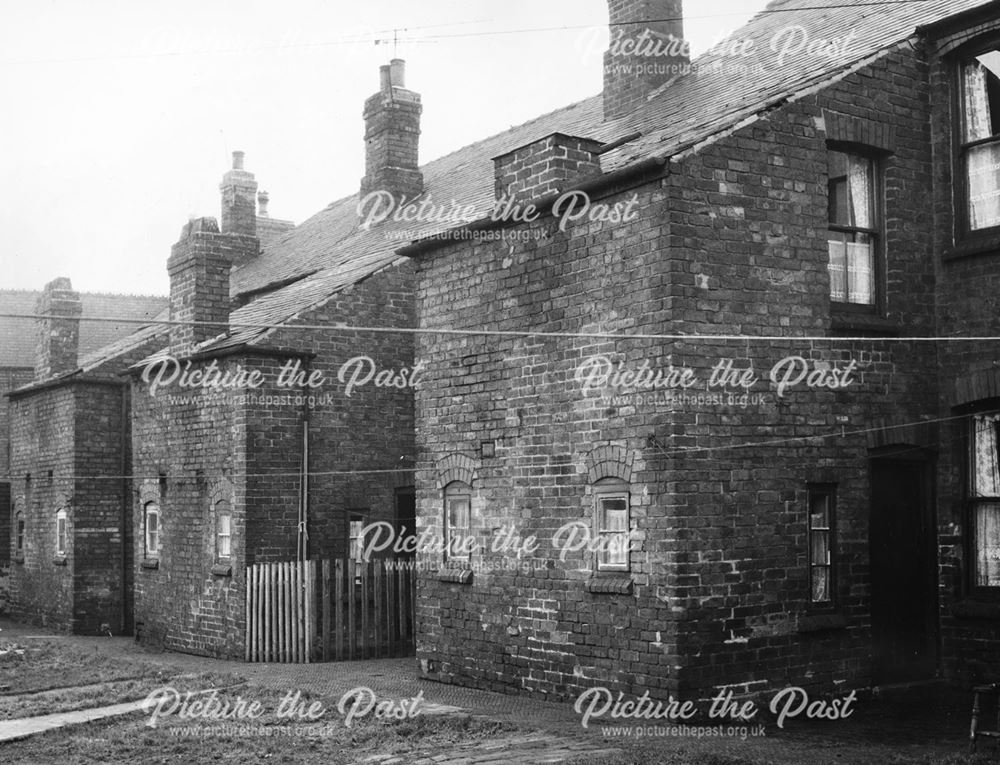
pixel 119 117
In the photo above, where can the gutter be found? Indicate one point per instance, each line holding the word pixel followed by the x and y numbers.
pixel 642 172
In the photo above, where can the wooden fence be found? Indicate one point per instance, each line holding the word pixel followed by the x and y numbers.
pixel 330 610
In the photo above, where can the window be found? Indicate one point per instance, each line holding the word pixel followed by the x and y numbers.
pixel 821 518
pixel 223 530
pixel 151 520
pixel 457 521
pixel 61 532
pixel 984 501
pixel 852 229
pixel 980 140
pixel 611 524
pixel 19 533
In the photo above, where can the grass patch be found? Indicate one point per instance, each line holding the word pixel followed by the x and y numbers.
pixel 38 665
pixel 128 740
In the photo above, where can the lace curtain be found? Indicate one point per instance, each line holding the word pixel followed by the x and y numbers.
pixel 982 162
pixel 986 481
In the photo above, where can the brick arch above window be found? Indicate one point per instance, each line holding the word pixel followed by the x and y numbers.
pixel 978 386
pixel 455 467
pixel 609 461
pixel 149 491
pixel 222 489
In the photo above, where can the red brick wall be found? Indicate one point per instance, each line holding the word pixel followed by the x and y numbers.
pixel 732 242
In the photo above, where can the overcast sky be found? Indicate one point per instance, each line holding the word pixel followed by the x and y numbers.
pixel 119 117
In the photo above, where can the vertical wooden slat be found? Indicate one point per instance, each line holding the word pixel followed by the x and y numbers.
pixel 279 579
pixel 260 613
pixel 268 611
pixel 310 607
pixel 296 614
pixel 252 612
pixel 365 611
pixel 338 606
pixel 413 605
pixel 289 610
pixel 378 622
pixel 246 616
pixel 390 608
pixel 326 609
pixel 403 628
pixel 352 589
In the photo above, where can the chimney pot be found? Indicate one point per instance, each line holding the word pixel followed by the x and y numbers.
pixel 262 199
pixel 397 73
pixel 384 78
pixel 238 160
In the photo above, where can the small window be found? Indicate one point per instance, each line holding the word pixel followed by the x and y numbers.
pixel 223 530
pixel 612 524
pixel 61 532
pixel 980 140
pixel 984 501
pixel 151 519
pixel 457 521
pixel 821 517
pixel 19 533
pixel 853 229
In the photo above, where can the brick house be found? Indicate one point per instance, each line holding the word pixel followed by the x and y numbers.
pixel 17 359
pixel 740 380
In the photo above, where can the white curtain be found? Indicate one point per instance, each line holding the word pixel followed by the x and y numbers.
pixel 988 545
pixel 987 468
pixel 838 271
pixel 982 162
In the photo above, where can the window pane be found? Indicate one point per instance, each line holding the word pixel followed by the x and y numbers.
pixel 614 514
pixel 851 186
pixel 820 548
pixel 458 513
pixel 982 96
pixel 988 545
pixel 985 470
pixel 819 511
pixel 820 585
pixel 613 549
pixel 982 168
pixel 838 270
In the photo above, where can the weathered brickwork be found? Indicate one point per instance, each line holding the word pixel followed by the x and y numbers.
pixel 69 457
pixel 968 304
pixel 732 241
pixel 251 442
pixel 10 379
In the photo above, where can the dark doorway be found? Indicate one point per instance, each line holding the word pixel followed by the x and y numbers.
pixel 903 571
pixel 406 521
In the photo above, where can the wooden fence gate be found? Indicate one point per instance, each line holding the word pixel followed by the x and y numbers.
pixel 330 610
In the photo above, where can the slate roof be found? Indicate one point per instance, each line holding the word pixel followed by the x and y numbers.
pixel 329 251
pixel 18 337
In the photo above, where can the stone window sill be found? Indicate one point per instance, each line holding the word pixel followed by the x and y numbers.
pixel 613 584
pixel 847 321
pixel 821 622
pixel 455 575
pixel 969 248
pixel 972 608
pixel 151 564
pixel 59 560
pixel 222 569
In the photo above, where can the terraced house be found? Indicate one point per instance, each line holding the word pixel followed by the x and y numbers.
pixel 750 393
pixel 708 391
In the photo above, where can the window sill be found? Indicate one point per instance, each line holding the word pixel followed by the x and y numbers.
pixel 222 569
pixel 59 560
pixel 834 620
pixel 613 584
pixel 19 559
pixel 150 564
pixel 971 608
pixel 863 322
pixel 970 248
pixel 455 575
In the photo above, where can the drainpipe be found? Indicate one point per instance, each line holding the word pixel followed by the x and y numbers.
pixel 126 538
pixel 303 528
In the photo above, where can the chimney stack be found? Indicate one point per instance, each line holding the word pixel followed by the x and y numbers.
pixel 239 199
pixel 392 135
pixel 647 49
pixel 59 335
pixel 199 269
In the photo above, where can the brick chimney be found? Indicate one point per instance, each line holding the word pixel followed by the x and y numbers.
pixel 646 49
pixel 239 199
pixel 59 334
pixel 546 166
pixel 199 269
pixel 392 135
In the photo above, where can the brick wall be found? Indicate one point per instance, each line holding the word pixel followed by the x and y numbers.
pixel 253 445
pixel 10 378
pixel 732 242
